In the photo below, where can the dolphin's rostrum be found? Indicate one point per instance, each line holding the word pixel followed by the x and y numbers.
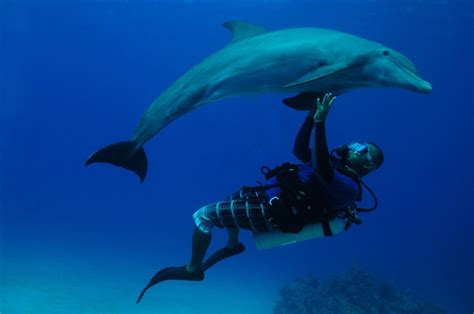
pixel 308 61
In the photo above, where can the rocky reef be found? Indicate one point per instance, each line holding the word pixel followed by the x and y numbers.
pixel 356 292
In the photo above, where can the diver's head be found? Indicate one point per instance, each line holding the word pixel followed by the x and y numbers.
pixel 361 157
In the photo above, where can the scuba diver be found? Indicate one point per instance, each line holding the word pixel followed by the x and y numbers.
pixel 325 186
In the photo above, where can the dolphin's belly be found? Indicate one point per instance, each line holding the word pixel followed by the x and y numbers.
pixel 251 81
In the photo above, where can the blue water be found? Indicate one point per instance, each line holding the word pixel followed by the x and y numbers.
pixel 77 75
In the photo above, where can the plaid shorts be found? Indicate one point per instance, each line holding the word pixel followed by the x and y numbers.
pixel 243 209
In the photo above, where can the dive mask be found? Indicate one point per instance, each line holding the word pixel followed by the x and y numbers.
pixel 362 149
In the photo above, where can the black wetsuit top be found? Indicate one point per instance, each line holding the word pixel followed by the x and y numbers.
pixel 303 152
pixel 339 189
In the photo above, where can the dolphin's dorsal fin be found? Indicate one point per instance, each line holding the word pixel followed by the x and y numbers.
pixel 318 73
pixel 241 30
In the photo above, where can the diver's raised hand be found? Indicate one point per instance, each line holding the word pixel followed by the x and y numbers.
pixel 322 107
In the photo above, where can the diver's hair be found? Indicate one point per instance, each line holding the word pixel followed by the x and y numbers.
pixel 380 157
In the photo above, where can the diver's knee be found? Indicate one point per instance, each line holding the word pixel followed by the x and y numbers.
pixel 202 221
pixel 232 231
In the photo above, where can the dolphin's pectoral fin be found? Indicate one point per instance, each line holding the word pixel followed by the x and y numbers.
pixel 241 30
pixel 302 101
pixel 319 73
pixel 122 154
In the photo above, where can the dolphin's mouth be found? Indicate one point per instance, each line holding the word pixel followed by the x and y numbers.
pixel 413 80
pixel 424 87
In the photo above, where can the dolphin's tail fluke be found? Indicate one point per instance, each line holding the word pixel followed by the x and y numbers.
pixel 122 154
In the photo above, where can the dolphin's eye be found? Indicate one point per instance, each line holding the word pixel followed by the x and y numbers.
pixel 385 52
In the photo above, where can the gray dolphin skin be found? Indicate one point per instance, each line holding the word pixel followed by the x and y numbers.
pixel 307 61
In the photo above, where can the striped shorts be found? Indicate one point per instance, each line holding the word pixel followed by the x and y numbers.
pixel 243 209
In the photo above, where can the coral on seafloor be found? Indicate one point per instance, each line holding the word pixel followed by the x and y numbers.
pixel 356 292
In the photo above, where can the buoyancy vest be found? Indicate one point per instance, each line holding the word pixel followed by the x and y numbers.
pixel 340 192
pixel 296 198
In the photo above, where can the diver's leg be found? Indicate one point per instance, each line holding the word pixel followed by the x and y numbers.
pixel 244 211
pixel 232 248
pixel 233 239
pixel 200 244
pixel 190 272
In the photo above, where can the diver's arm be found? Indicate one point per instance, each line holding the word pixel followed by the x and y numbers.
pixel 322 158
pixel 301 147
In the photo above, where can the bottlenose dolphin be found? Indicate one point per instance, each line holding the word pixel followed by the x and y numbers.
pixel 309 61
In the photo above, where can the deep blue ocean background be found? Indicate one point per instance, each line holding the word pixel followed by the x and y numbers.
pixel 77 75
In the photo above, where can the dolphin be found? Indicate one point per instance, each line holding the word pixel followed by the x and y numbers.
pixel 307 61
